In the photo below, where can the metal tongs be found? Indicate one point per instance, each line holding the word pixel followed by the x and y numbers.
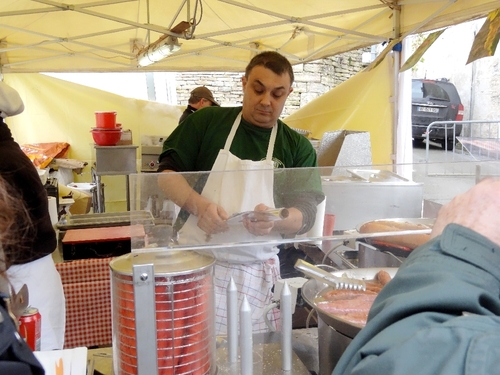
pixel 323 276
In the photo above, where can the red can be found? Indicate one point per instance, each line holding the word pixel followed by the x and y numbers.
pixel 30 327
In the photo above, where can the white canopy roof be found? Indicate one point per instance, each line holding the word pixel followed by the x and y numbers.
pixel 105 35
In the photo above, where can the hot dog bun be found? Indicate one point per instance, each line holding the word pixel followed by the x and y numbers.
pixel 408 240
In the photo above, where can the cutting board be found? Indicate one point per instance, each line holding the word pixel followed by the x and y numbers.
pixel 103 234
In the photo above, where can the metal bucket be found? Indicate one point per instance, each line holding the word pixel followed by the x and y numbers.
pixel 334 333
pixel 163 313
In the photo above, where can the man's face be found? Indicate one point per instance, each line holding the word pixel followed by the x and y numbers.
pixel 202 103
pixel 264 96
pixel 205 103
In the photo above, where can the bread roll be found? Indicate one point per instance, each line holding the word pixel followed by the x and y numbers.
pixel 408 240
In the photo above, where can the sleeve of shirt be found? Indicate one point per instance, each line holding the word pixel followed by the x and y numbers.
pixel 168 163
pixel 301 186
pixel 180 149
pixel 439 315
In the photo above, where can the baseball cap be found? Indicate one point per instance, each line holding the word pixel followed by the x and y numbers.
pixel 203 92
pixel 11 103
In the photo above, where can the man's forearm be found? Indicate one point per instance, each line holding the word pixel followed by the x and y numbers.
pixel 178 190
pixel 292 224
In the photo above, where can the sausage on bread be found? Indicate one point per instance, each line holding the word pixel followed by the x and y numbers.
pixel 410 241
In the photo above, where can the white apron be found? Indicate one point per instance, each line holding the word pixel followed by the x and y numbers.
pixel 45 293
pixel 254 269
pixel 235 189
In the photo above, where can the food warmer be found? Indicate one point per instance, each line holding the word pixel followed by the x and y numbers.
pixel 361 195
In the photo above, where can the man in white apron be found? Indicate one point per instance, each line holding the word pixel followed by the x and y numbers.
pixel 242 147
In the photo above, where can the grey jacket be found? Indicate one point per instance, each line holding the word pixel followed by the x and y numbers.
pixel 439 315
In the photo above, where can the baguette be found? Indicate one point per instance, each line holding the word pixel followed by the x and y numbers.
pixel 410 241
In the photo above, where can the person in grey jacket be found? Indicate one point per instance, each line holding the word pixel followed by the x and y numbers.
pixel 441 312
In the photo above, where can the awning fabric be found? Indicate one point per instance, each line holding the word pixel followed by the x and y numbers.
pixel 362 103
pixel 78 35
pixel 61 111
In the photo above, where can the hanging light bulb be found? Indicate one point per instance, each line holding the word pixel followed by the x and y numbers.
pixel 163 47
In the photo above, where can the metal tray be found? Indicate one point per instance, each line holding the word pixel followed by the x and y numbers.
pixel 375 175
pixel 312 288
pixel 105 220
pixel 367 256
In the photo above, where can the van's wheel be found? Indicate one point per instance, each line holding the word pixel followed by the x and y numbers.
pixel 448 143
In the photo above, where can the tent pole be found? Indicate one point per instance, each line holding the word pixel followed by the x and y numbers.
pixel 395 67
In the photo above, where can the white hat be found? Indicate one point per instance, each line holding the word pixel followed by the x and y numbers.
pixel 11 103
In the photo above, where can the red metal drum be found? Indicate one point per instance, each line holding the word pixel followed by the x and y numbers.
pixel 183 307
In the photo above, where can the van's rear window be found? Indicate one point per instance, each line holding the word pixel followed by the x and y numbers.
pixel 421 90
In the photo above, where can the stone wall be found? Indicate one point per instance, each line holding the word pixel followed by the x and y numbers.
pixel 311 80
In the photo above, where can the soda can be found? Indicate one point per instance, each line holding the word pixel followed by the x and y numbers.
pixel 30 327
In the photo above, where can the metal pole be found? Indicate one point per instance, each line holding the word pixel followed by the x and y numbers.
pixel 145 319
pixel 246 339
pixel 232 322
pixel 286 328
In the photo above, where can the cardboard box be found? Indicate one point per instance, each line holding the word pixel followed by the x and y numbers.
pixel 342 148
pixel 126 137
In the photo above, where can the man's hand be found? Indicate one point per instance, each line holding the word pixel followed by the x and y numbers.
pixel 259 225
pixel 477 209
pixel 212 218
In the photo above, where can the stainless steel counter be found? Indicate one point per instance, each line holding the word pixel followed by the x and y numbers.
pixel 266 355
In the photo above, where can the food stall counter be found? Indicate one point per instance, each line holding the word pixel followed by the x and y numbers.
pixel 304 345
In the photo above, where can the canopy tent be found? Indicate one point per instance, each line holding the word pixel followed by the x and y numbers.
pixel 106 35
pixel 359 104
pixel 222 35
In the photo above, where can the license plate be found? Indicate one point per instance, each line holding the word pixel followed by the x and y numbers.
pixel 428 109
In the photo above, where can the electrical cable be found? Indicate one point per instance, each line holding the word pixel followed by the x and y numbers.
pixel 309 316
pixel 274 305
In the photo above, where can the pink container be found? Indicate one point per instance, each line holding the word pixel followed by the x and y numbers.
pixel 105 120
pixel 328 224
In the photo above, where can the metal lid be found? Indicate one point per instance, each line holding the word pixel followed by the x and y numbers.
pixel 30 310
pixel 169 262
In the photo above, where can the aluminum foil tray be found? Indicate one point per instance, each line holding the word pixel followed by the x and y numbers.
pixel 105 220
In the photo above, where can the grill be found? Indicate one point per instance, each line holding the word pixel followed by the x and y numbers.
pixel 151 147
pixel 149 158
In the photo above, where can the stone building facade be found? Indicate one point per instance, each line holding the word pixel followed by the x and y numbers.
pixel 311 80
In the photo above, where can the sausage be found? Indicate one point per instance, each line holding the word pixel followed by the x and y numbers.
pixel 352 305
pixel 383 277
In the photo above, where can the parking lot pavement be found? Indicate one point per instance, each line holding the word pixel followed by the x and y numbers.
pixel 438 155
pixel 446 173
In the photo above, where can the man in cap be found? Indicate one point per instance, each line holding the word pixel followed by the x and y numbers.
pixel 200 97
pixel 32 264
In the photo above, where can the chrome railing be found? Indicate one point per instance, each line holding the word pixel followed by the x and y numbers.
pixel 479 138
